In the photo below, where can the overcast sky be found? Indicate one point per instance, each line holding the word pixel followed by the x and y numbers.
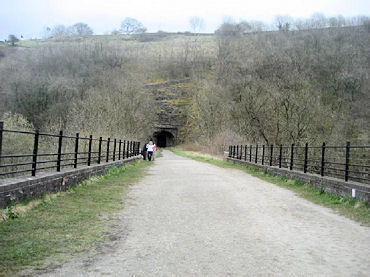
pixel 30 17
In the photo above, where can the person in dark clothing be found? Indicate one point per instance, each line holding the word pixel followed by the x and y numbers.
pixel 144 152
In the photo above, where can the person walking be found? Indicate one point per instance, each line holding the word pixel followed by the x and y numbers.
pixel 154 150
pixel 150 149
pixel 144 152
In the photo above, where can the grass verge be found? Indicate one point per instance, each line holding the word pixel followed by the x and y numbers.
pixel 65 224
pixel 346 206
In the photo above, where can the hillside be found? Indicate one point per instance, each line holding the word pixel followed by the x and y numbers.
pixel 268 87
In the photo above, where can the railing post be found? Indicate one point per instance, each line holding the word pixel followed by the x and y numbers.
pixel 256 158
pixel 322 159
pixel 99 151
pixel 347 161
pixel 233 151
pixel 280 155
pixel 263 154
pixel 89 154
pixel 271 154
pixel 114 149
pixel 245 152
pixel 76 150
pixel 107 158
pixel 119 149
pixel 291 156
pixel 229 154
pixel 35 151
pixel 237 151
pixel 305 158
pixel 1 138
pixel 59 159
pixel 250 153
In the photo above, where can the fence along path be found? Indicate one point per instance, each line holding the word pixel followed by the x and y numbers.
pixel 33 151
pixel 349 162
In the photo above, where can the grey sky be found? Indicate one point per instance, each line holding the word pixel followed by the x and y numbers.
pixel 30 17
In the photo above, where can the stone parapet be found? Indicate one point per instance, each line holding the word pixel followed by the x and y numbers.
pixel 328 184
pixel 21 188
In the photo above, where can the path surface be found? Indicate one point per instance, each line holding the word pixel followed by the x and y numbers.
pixel 188 218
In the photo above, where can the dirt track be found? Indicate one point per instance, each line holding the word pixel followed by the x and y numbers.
pixel 188 218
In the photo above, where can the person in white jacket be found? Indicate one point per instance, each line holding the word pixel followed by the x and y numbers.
pixel 150 148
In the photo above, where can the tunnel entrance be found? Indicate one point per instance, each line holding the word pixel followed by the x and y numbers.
pixel 164 139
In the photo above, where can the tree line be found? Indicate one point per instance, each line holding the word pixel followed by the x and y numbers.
pixel 285 86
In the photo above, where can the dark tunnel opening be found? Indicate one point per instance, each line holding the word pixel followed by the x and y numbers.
pixel 164 139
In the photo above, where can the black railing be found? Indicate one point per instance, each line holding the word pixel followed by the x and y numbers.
pixel 348 162
pixel 32 151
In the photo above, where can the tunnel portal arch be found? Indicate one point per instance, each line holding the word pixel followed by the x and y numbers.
pixel 164 138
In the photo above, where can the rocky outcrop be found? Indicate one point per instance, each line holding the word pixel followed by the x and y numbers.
pixel 172 100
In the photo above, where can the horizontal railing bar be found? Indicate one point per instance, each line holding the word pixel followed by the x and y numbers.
pixel 47 167
pixel 49 135
pixel 360 165
pixel 333 168
pixel 67 153
pixel 50 161
pixel 19 132
pixel 66 160
pixel 18 164
pixel 65 165
pixel 14 172
pixel 45 162
pixel 46 154
pixel 330 162
pixel 334 174
pixel 16 156
pixel 359 172
pixel 308 160
pixel 359 178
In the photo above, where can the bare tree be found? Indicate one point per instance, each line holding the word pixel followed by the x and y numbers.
pixel 283 22
pixel 81 29
pixel 59 31
pixel 132 26
pixel 196 24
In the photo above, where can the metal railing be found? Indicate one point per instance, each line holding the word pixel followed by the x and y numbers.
pixel 34 151
pixel 351 163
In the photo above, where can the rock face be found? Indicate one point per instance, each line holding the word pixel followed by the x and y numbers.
pixel 172 100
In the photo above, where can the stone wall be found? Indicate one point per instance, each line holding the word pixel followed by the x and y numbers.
pixel 16 189
pixel 327 184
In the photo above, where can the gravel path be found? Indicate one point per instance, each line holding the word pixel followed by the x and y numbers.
pixel 188 218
